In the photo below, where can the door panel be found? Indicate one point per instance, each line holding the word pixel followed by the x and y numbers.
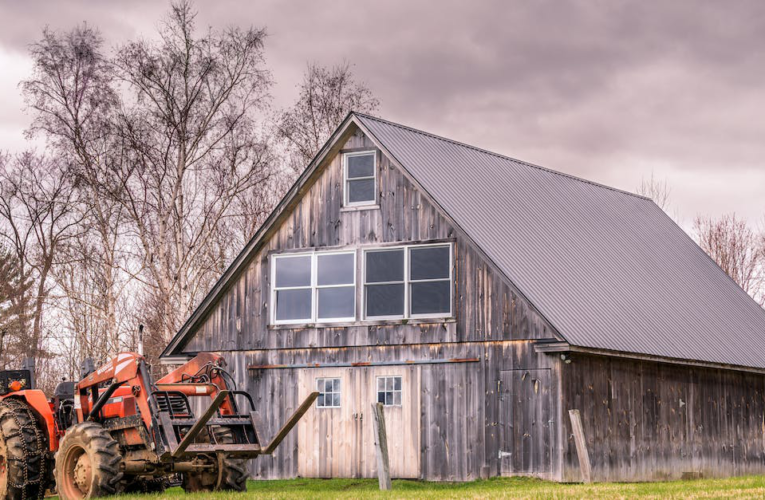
pixel 525 422
pixel 402 422
pixel 329 440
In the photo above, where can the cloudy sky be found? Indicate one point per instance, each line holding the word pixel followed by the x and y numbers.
pixel 611 91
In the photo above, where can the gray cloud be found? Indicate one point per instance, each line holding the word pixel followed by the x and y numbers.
pixel 608 90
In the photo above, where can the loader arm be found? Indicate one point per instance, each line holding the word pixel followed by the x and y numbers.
pixel 292 422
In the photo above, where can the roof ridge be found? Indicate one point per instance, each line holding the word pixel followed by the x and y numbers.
pixel 504 157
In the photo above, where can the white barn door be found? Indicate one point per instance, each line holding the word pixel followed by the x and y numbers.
pixel 335 438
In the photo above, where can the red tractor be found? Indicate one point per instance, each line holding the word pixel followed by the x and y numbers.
pixel 118 430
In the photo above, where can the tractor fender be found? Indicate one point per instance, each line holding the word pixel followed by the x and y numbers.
pixel 37 401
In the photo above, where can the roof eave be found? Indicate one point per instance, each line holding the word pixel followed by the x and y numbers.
pixel 554 347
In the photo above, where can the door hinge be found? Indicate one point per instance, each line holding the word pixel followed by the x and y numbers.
pixel 503 454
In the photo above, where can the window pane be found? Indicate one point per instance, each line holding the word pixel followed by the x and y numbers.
pixel 397 399
pixel 320 384
pixel 337 302
pixel 335 269
pixel 361 190
pixel 293 271
pixel 397 384
pixel 293 304
pixel 389 384
pixel 361 166
pixel 388 398
pixel 387 265
pixel 336 385
pixel 380 384
pixel 381 397
pixel 320 400
pixel 328 385
pixel 430 297
pixel 336 399
pixel 385 300
pixel 429 263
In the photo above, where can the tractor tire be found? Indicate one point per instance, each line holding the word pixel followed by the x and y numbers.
pixel 233 476
pixel 24 463
pixel 88 463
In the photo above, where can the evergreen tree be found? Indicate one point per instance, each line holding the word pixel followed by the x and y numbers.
pixel 14 306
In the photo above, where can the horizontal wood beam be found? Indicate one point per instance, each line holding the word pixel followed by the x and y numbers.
pixel 365 363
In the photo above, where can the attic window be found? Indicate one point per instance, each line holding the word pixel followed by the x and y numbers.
pixel 360 179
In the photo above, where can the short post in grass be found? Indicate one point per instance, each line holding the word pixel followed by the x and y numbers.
pixel 381 446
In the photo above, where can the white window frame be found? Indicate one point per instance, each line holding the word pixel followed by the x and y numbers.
pixel 340 393
pixel 407 282
pixel 400 391
pixel 314 287
pixel 373 154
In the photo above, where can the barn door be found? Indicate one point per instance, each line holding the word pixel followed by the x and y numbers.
pixel 330 435
pixel 398 388
pixel 525 423
pixel 335 437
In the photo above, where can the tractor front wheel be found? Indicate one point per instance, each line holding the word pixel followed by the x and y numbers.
pixel 23 452
pixel 88 463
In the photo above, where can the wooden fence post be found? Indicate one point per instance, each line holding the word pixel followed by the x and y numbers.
pixel 381 446
pixel 581 445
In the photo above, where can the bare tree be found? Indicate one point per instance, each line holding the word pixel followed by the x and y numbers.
pixel 658 191
pixel 327 95
pixel 736 248
pixel 36 199
pixel 72 95
pixel 190 149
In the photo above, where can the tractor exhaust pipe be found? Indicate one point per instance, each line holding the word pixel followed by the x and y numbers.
pixel 140 340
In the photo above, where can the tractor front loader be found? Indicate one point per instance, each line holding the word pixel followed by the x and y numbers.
pixel 132 433
pixel 119 431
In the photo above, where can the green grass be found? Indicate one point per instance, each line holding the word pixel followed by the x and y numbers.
pixel 741 487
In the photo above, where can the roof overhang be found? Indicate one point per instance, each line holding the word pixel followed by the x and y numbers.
pixel 547 346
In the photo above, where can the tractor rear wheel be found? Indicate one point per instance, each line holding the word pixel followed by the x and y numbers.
pixel 88 463
pixel 232 476
pixel 23 452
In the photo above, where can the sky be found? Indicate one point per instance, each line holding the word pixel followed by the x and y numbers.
pixel 612 91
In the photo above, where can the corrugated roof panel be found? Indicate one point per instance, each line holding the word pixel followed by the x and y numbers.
pixel 609 269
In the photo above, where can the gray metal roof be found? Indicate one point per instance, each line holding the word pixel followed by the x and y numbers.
pixel 609 269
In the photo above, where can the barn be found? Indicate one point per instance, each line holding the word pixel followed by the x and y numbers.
pixel 481 299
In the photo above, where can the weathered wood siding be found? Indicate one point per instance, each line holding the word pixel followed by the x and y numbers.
pixel 486 307
pixel 647 421
pixel 459 403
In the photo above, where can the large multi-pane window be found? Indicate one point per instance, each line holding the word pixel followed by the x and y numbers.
pixel 413 281
pixel 408 282
pixel 360 184
pixel 314 287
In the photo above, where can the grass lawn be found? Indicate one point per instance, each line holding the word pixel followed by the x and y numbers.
pixel 741 487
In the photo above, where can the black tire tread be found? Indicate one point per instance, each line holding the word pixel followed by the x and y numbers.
pixel 105 457
pixel 27 460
